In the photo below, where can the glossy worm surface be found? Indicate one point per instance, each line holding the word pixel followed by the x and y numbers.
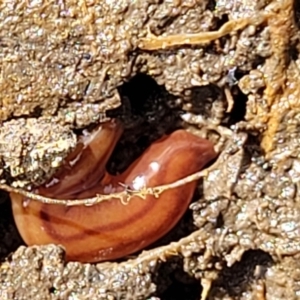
pixel 110 229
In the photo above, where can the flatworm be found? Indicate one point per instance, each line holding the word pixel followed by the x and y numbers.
pixel 111 230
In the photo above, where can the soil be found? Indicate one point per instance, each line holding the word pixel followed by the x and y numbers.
pixel 226 70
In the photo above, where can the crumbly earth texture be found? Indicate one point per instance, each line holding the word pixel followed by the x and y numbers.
pixel 229 70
